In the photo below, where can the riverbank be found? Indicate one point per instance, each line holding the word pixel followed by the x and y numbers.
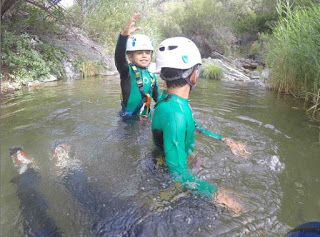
pixel 78 56
pixel 83 57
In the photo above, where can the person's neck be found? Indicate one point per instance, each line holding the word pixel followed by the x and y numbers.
pixel 180 91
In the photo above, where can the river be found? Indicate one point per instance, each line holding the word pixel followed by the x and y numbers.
pixel 278 184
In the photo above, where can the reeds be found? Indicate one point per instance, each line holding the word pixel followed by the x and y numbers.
pixel 90 68
pixel 211 71
pixel 293 52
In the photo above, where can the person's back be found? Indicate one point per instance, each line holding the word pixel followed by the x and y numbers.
pixel 173 114
pixel 173 132
pixel 173 125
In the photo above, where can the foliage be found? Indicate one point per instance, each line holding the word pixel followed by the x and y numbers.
pixel 212 24
pixel 293 52
pixel 211 71
pixel 26 58
pixel 104 20
pixel 149 22
pixel 36 17
pixel 88 67
pixel 171 16
pixel 252 22
pixel 203 21
pixel 255 48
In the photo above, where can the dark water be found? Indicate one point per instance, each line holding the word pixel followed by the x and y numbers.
pixel 278 185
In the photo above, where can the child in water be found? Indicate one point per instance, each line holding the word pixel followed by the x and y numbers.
pixel 138 85
pixel 173 125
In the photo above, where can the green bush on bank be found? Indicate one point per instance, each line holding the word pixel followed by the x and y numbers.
pixel 258 17
pixel 203 21
pixel 26 58
pixel 293 52
pixel 210 70
pixel 89 68
pixel 104 20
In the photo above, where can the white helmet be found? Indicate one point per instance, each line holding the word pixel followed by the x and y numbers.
pixel 139 42
pixel 178 52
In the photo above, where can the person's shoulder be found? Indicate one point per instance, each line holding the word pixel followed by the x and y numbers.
pixel 167 116
pixel 163 106
pixel 168 109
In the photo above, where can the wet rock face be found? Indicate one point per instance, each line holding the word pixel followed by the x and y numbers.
pixel 71 71
pixel 231 71
pixel 242 69
pixel 78 45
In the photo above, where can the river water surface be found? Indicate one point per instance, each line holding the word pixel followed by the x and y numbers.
pixel 278 184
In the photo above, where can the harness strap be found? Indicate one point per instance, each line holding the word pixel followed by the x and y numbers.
pixel 145 97
pixel 140 82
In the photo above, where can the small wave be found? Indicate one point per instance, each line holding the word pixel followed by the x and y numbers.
pixel 269 126
pixel 274 163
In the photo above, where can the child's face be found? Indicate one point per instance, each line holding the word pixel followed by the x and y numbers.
pixel 141 58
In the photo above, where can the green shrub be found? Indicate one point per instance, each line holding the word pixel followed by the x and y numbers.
pixel 104 20
pixel 203 21
pixel 211 71
pixel 255 48
pixel 252 21
pixel 28 18
pixel 26 58
pixel 89 68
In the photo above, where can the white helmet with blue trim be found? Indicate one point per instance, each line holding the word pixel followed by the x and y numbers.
pixel 178 53
pixel 139 42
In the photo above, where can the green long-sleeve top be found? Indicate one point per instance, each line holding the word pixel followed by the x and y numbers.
pixel 173 130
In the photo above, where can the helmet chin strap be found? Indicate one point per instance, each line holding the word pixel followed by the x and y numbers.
pixel 184 75
pixel 187 74
pixel 190 83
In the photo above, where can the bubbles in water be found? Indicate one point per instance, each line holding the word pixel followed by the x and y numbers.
pixel 274 163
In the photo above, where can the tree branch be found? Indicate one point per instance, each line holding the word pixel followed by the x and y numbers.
pixel 6 5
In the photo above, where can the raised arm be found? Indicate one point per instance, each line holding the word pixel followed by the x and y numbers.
pixel 120 55
pixel 120 52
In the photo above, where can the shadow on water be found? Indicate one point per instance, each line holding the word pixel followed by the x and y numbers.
pixel 126 181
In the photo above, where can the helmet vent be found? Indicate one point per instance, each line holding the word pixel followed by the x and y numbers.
pixel 172 47
pixel 162 48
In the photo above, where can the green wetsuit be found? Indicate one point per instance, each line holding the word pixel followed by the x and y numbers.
pixel 173 128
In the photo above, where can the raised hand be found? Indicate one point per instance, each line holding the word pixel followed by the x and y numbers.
pixel 130 27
